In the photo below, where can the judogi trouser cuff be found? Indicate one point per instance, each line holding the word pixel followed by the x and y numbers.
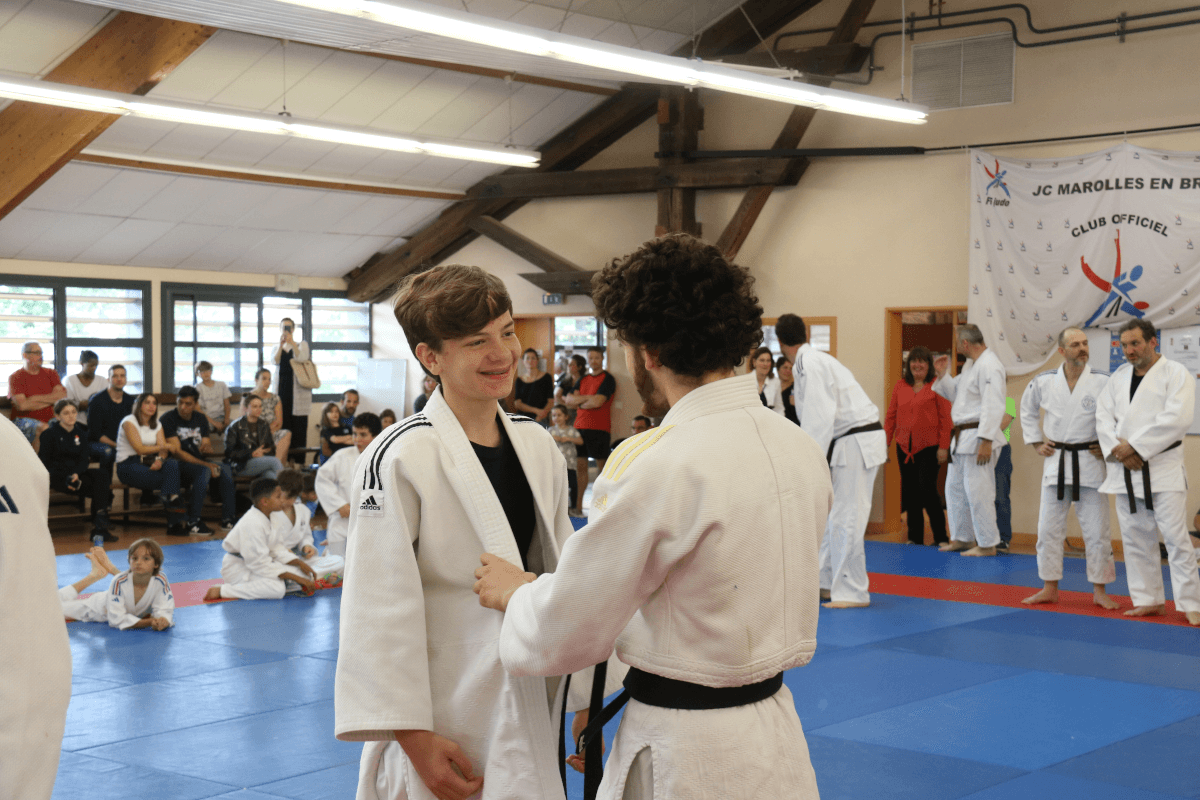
pixel 1143 564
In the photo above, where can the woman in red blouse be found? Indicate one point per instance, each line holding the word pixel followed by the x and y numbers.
pixel 919 421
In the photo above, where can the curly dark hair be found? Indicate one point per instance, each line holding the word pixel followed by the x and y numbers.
pixel 680 296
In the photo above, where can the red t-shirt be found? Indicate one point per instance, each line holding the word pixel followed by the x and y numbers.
pixel 21 382
pixel 596 419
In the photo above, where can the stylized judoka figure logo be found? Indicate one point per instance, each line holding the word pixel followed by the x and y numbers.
pixel 1119 290
pixel 997 179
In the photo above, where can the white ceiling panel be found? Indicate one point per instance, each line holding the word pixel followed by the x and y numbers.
pixel 295 155
pixel 344 160
pixel 221 251
pixel 561 112
pixel 388 167
pixel 271 253
pixel 38 35
pixel 69 237
pixel 22 226
pixel 69 187
pixel 427 98
pixel 368 216
pixel 279 211
pixel 193 142
pixel 523 104
pixel 427 172
pixel 244 149
pixel 261 86
pixel 133 135
pixel 214 66
pixel 324 256
pixel 319 90
pixel 128 191
pixel 124 242
pixel 176 245
pixel 231 202
pixel 417 209
pixel 329 209
pixel 376 93
pixel 454 118
pixel 184 199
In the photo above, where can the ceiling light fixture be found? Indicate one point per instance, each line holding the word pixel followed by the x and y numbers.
pixel 63 95
pixel 466 27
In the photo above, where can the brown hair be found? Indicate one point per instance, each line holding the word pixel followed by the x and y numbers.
pixel 681 297
pixel 449 302
pixel 156 551
pixel 325 414
pixel 291 481
pixel 918 353
pixel 759 352
pixel 152 422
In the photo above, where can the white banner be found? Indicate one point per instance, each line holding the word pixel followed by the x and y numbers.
pixel 1090 241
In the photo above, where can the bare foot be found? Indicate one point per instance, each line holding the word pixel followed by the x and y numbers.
pixel 844 604
pixel 953 547
pixel 98 569
pixel 101 558
pixel 980 551
pixel 1193 617
pixel 1046 595
pixel 1101 598
pixel 1146 611
pixel 213 593
pixel 825 594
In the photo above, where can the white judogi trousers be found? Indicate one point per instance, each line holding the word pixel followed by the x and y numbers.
pixel 1143 564
pixel 971 499
pixel 244 584
pixel 1092 512
pixel 842 556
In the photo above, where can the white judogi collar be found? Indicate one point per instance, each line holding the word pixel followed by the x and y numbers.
pixel 711 398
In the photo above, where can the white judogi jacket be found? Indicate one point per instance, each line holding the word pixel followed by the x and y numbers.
pixel 417 651
pixel 699 563
pixel 830 402
pixel 334 480
pixel 978 395
pixel 37 658
pixel 1159 415
pixel 251 540
pixel 1070 418
pixel 117 606
pixel 293 536
pixel 773 391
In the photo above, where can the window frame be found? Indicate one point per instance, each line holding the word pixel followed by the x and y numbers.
pixel 252 294
pixel 59 286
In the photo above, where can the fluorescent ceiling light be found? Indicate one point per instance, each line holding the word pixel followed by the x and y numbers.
pixel 473 28
pixel 63 95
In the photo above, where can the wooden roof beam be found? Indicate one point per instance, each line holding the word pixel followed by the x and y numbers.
pixel 131 54
pixel 523 246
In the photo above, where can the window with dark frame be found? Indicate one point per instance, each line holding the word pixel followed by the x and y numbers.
pixel 69 315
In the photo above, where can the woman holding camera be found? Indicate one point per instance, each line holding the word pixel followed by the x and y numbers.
pixel 294 400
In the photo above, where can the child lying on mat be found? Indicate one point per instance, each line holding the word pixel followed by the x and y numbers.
pixel 138 598
pixel 292 525
pixel 256 566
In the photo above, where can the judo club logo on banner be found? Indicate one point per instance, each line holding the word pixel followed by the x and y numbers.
pixel 1089 241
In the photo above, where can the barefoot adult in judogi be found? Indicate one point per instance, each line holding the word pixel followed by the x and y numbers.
pixel 835 411
pixel 419 677
pixel 1074 467
pixel 335 480
pixel 37 656
pixel 699 562
pixel 1141 418
pixel 978 396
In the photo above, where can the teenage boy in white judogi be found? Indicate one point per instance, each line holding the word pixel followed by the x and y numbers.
pixel 256 566
pixel 835 411
pixel 1074 467
pixel 1148 428
pixel 419 677
pixel 335 480
pixel 291 526
pixel 699 561
pixel 978 395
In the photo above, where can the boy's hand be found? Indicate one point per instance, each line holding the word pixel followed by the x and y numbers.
pixel 309 551
pixel 497 580
pixel 159 623
pixel 441 763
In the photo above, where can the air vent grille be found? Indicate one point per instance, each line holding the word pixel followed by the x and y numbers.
pixel 964 72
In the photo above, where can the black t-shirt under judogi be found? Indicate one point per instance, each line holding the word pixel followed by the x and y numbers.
pixel 508 480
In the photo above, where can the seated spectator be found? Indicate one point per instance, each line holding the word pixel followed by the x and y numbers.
pixel 186 431
pixel 335 479
pixel 567 438
pixel 33 390
pixel 271 413
pixel 65 453
pixel 138 598
pixel 334 435
pixel 292 524
pixel 387 417
pixel 143 462
pixel 349 407
pixel 535 391
pixel 214 397
pixel 105 411
pixel 429 385
pixel 249 444
pixel 255 566
pixel 84 384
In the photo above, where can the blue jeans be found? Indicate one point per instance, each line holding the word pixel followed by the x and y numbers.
pixel 261 467
pixel 1003 485
pixel 132 472
pixel 198 477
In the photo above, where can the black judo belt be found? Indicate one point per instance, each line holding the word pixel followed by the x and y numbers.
pixel 655 690
pixel 1149 498
pixel 954 432
pixel 1074 448
pixel 874 426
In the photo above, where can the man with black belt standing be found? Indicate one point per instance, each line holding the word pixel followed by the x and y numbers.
pixel 835 411
pixel 1074 467
pixel 700 570
pixel 978 396
pixel 1141 419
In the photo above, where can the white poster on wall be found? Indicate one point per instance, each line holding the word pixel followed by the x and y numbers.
pixel 1090 241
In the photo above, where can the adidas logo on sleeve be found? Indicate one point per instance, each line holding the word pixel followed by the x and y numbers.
pixel 372 505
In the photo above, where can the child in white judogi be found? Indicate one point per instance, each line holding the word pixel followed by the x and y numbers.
pixel 292 525
pixel 138 598
pixel 256 567
pixel 335 480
